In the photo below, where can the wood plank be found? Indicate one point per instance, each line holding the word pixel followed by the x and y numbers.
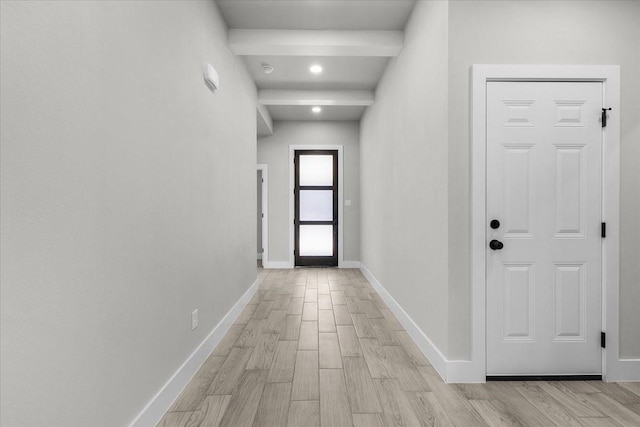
pixel 393 322
pixel 338 298
pixel 262 355
pixel 353 304
pixel 229 340
pixel 284 361
pixel 291 329
pixel 210 412
pixel 454 404
pixel 196 391
pixel 334 400
pixel 342 315
pixel 250 334
pixel 495 413
pixel 414 353
pixel 427 409
pixel 175 419
pixel 614 409
pixel 298 291
pixel 577 405
pixel 396 409
pixel 368 420
pixel 404 370
pixel 244 402
pixel 376 358
pixel 349 344
pixel 231 371
pixel 274 322
pixel 304 413
pixel 633 387
pixel 546 404
pixel 295 306
pixel 282 302
pixel 308 336
pixel 369 306
pixel 505 392
pixel 246 314
pixel 324 302
pixel 326 322
pixel 362 393
pixel 363 326
pixel 310 311
pixel 384 333
pixel 305 378
pixel 263 310
pixel 311 295
pixel 274 405
pixel 329 353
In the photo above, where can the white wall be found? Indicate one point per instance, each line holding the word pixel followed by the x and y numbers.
pixel 543 32
pixel 128 200
pixel 274 151
pixel 403 149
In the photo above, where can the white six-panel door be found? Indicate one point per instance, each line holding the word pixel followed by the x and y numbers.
pixel 544 172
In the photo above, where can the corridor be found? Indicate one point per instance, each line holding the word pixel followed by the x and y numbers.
pixel 320 347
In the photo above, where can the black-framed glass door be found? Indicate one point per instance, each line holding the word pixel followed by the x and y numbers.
pixel 316 208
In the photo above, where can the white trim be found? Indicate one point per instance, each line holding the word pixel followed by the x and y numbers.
pixel 276 265
pixel 350 264
pixel 431 352
pixel 613 368
pixel 162 401
pixel 292 151
pixel 265 210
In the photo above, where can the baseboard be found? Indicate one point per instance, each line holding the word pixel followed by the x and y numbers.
pixel 431 352
pixel 626 370
pixel 276 264
pixel 350 264
pixel 162 401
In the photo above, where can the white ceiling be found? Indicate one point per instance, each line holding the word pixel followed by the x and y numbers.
pixel 340 72
pixel 316 14
pixel 353 40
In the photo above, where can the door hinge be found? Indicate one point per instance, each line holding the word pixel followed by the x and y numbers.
pixel 263 180
pixel 262 215
pixel 603 339
pixel 603 230
pixel 294 252
pixel 262 250
pixel 604 116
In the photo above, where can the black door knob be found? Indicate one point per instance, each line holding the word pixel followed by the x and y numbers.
pixel 496 245
pixel 494 224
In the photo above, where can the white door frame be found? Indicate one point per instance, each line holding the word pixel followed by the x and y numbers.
pixel 613 368
pixel 292 151
pixel 265 212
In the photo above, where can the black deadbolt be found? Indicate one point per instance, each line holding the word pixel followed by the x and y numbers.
pixel 495 224
pixel 496 245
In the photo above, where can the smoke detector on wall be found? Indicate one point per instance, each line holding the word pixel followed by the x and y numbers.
pixel 267 69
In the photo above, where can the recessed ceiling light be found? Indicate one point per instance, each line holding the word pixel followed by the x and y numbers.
pixel 315 69
pixel 267 69
pixel 316 109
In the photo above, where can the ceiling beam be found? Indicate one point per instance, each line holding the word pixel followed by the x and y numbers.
pixel 316 43
pixel 264 121
pixel 359 98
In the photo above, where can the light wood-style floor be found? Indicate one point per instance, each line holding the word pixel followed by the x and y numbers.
pixel 318 347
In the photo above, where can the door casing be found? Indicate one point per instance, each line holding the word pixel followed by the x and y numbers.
pixel 612 367
pixel 265 212
pixel 292 151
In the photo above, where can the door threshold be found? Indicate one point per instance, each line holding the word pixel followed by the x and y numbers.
pixel 544 377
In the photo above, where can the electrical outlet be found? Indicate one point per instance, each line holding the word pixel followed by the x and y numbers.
pixel 194 319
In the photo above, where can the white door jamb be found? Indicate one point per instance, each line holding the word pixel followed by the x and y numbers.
pixel 265 214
